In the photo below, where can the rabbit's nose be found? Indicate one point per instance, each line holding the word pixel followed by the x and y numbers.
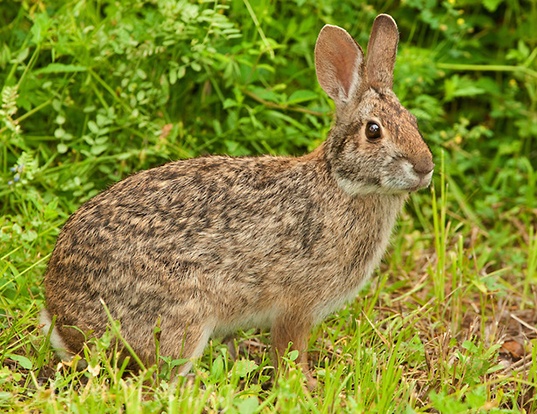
pixel 423 166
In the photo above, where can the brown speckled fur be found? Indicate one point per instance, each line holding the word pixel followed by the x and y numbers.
pixel 214 244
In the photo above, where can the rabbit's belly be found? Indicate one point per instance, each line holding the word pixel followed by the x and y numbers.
pixel 337 302
pixel 260 319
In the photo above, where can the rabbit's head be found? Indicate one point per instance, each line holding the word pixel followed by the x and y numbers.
pixel 375 145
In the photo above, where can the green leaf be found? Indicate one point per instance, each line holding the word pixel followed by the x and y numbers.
pixel 61 68
pixel 523 49
pixel 173 76
pixel 29 235
pixel 470 346
pixel 41 25
pixel 491 5
pixel 217 368
pixel 21 360
pixel 447 404
pixel 457 86
pixel 302 96
pixel 99 149
pixel 266 95
pixel 244 367
pixel 248 405
pixel 477 397
pixel 62 148
pixel 292 355
pixel 93 127
pixel 229 103
pixel 23 54
pixel 6 396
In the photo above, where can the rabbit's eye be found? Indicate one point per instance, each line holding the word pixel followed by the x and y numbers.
pixel 372 131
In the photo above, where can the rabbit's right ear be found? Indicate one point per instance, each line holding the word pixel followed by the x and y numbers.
pixel 381 51
pixel 339 62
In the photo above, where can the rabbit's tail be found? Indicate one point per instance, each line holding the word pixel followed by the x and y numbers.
pixel 56 341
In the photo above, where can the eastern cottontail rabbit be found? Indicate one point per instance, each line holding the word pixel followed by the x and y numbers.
pixel 214 244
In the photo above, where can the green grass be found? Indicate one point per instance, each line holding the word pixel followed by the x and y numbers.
pixel 95 90
pixel 401 346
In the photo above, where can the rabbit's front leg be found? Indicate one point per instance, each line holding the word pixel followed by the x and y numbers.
pixel 290 332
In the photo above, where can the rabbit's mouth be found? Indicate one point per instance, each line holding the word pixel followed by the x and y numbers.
pixel 423 183
pixel 406 179
pixel 425 180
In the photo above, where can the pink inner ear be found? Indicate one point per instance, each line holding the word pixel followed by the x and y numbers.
pixel 345 65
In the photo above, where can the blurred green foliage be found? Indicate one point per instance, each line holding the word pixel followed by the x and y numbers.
pixel 93 90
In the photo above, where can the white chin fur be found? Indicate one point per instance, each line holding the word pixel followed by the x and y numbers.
pixel 426 181
pixel 56 340
pixel 355 188
pixel 407 181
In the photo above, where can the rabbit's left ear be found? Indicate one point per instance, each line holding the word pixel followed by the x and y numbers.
pixel 339 62
pixel 381 52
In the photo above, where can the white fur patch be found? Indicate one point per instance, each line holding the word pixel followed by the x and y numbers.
pixel 198 350
pixel 260 319
pixel 355 188
pixel 56 340
pixel 427 179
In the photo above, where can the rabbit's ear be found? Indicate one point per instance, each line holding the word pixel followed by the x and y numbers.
pixel 381 52
pixel 339 63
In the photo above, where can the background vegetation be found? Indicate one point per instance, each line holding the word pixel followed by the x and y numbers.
pixel 95 90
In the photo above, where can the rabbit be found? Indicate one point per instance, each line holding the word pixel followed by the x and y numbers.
pixel 210 245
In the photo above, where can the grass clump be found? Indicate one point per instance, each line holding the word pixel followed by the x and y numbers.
pixel 93 91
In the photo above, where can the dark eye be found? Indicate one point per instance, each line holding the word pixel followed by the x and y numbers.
pixel 372 131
